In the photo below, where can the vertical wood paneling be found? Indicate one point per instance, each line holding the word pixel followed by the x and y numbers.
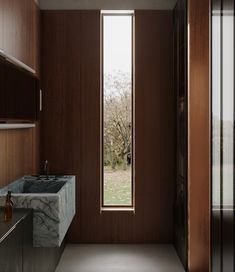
pixel 3 160
pixel 90 125
pixel 71 123
pixel 36 145
pixel 36 38
pixel 61 124
pixel 199 135
pixel 181 92
pixel 19 36
pixel 2 2
pixel 155 123
pixel 19 154
pixel 28 46
pixel 19 30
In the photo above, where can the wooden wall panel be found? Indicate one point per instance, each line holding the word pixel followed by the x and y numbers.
pixel 2 2
pixel 199 135
pixel 61 120
pixel 19 154
pixel 71 123
pixel 3 161
pixel 90 130
pixel 155 123
pixel 19 36
pixel 36 41
pixel 181 92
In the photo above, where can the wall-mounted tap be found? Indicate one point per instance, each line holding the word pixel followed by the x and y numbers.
pixel 46 169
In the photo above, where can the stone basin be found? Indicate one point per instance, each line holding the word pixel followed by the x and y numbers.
pixel 53 201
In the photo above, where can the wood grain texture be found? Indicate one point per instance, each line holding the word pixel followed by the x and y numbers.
pixel 155 124
pixel 199 137
pixel 20 30
pixel 36 42
pixel 2 2
pixel 19 148
pixel 71 123
pixel 181 91
pixel 61 120
pixel 19 93
pixel 11 251
pixel 17 251
pixel 19 154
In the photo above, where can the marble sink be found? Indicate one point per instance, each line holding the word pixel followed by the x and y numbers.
pixel 53 201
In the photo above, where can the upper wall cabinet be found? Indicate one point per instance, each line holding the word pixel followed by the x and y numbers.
pixel 2 2
pixel 19 31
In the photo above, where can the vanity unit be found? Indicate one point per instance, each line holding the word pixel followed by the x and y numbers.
pixel 16 246
pixel 16 238
pixel 44 207
pixel 52 199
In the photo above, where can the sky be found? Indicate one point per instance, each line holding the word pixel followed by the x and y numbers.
pixel 117 42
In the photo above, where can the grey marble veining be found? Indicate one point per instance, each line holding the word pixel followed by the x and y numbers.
pixel 53 201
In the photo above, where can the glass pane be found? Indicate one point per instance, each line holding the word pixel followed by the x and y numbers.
pixel 117 110
pixel 223 135
pixel 216 101
pixel 228 110
pixel 228 137
pixel 216 135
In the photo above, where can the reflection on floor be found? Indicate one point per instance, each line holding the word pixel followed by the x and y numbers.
pixel 119 258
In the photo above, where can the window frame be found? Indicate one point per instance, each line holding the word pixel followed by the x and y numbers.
pixel 130 207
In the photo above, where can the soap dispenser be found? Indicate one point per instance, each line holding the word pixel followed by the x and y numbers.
pixel 8 207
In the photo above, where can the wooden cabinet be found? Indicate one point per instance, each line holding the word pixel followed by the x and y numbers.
pixel 11 251
pixel 36 38
pixel 2 2
pixel 19 94
pixel 20 31
pixel 17 253
pixel 16 242
pixel 27 244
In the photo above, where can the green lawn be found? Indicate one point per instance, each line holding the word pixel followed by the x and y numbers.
pixel 117 187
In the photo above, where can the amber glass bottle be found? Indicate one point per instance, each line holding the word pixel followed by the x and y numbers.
pixel 8 207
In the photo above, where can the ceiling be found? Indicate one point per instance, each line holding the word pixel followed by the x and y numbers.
pixel 107 4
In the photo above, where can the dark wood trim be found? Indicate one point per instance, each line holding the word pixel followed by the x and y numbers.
pixel 19 153
pixel 199 135
pixel 102 111
pixel 181 141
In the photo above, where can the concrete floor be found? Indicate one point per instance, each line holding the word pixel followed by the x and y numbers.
pixel 119 258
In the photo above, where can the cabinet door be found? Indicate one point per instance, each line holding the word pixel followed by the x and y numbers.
pixel 21 94
pixel 36 38
pixel 32 27
pixel 28 243
pixel 14 35
pixel 2 3
pixel 28 44
pixel 19 30
pixel 11 251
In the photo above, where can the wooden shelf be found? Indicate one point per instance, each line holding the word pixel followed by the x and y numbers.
pixel 16 126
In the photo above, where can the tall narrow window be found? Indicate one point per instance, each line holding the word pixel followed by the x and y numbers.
pixel 223 136
pixel 117 105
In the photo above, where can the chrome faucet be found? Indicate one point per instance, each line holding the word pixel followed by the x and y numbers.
pixel 46 169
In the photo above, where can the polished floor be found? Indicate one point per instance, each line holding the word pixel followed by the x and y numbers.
pixel 119 258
